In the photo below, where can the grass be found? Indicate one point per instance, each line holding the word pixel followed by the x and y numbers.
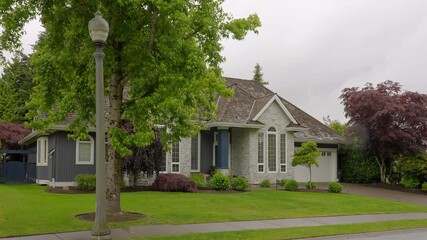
pixel 28 209
pixel 301 232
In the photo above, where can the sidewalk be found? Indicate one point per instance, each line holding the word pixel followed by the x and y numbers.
pixel 158 230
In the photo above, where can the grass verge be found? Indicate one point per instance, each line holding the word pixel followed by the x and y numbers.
pixel 301 232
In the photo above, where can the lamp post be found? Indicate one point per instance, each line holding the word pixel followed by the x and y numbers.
pixel 98 31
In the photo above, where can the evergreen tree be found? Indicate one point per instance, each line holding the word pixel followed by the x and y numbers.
pixel 258 75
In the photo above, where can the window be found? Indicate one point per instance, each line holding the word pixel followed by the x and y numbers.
pixel 271 153
pixel 272 129
pixel 282 152
pixel 260 152
pixel 195 158
pixel 85 151
pixel 42 151
pixel 175 157
pixel 163 165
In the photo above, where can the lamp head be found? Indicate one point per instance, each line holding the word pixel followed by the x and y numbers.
pixel 98 29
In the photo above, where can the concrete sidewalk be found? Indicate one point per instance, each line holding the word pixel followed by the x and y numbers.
pixel 158 230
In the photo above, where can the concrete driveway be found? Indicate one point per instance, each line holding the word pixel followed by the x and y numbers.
pixel 393 195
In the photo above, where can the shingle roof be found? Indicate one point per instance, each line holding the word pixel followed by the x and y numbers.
pixel 250 98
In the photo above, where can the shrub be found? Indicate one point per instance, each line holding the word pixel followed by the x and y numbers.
pixel 335 187
pixel 219 182
pixel 424 187
pixel 310 185
pixel 265 183
pixel 239 183
pixel 283 182
pixel 409 182
pixel 212 171
pixel 199 180
pixel 291 185
pixel 172 182
pixel 86 182
pixel 357 166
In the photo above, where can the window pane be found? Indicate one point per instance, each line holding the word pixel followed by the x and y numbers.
pixel 271 129
pixel 283 168
pixel 84 151
pixel 39 152
pixel 175 167
pixel 271 152
pixel 46 151
pixel 282 148
pixel 260 147
pixel 175 152
pixel 260 168
pixel 195 153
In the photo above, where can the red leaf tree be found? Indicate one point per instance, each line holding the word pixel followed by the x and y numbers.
pixel 392 121
pixel 10 134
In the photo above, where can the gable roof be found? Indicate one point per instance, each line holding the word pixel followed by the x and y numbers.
pixel 251 99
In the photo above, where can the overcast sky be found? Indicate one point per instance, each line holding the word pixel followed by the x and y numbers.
pixel 311 49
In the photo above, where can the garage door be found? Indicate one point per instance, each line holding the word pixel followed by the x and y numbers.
pixel 326 172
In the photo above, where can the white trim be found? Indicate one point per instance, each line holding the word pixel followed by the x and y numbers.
pixel 296 129
pixel 331 141
pixel 92 151
pixel 237 125
pixel 277 99
pixel 267 151
pixel 42 182
pixel 64 184
pixel 42 151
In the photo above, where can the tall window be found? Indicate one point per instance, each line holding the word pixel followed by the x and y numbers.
pixel 175 157
pixel 260 152
pixel 282 152
pixel 272 150
pixel 195 153
pixel 85 151
pixel 42 151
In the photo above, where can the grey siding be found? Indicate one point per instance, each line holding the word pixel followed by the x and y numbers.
pixel 240 154
pixel 206 152
pixel 65 159
pixel 32 157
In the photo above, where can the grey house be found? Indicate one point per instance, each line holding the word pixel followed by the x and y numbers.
pixel 254 136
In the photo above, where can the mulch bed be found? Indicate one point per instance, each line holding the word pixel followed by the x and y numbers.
pixel 120 217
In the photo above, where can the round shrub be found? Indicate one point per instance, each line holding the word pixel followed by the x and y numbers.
pixel 239 183
pixel 310 185
pixel 220 182
pixel 424 187
pixel 86 182
pixel 199 180
pixel 172 182
pixel 283 182
pixel 335 187
pixel 291 185
pixel 409 182
pixel 265 183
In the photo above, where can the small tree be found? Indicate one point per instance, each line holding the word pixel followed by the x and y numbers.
pixel 258 75
pixel 306 156
pixel 335 125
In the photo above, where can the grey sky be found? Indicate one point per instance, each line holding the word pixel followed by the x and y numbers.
pixel 311 49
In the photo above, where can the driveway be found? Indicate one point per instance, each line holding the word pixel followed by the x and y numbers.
pixel 413 234
pixel 397 196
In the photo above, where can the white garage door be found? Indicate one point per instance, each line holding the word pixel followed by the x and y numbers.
pixel 326 172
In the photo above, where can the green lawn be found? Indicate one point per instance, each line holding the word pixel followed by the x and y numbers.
pixel 301 232
pixel 28 209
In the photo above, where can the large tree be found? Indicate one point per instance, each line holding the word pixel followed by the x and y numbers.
pixel 162 66
pixel 16 84
pixel 388 120
pixel 258 75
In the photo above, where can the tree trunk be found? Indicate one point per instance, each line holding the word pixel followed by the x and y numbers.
pixel 113 161
pixel 382 166
pixel 309 168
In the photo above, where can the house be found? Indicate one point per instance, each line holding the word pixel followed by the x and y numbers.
pixel 254 136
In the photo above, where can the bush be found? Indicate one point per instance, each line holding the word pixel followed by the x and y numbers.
pixel 86 182
pixel 172 182
pixel 335 187
pixel 409 182
pixel 283 182
pixel 239 183
pixel 212 171
pixel 199 180
pixel 357 166
pixel 291 185
pixel 265 183
pixel 219 182
pixel 424 187
pixel 310 185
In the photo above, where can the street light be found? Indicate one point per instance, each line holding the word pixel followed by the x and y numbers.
pixel 98 31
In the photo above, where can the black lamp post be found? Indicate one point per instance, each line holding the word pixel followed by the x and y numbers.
pixel 98 31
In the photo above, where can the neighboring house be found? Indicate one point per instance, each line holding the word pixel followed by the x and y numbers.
pixel 254 136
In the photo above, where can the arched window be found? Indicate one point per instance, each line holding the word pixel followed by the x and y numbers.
pixel 85 151
pixel 272 129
